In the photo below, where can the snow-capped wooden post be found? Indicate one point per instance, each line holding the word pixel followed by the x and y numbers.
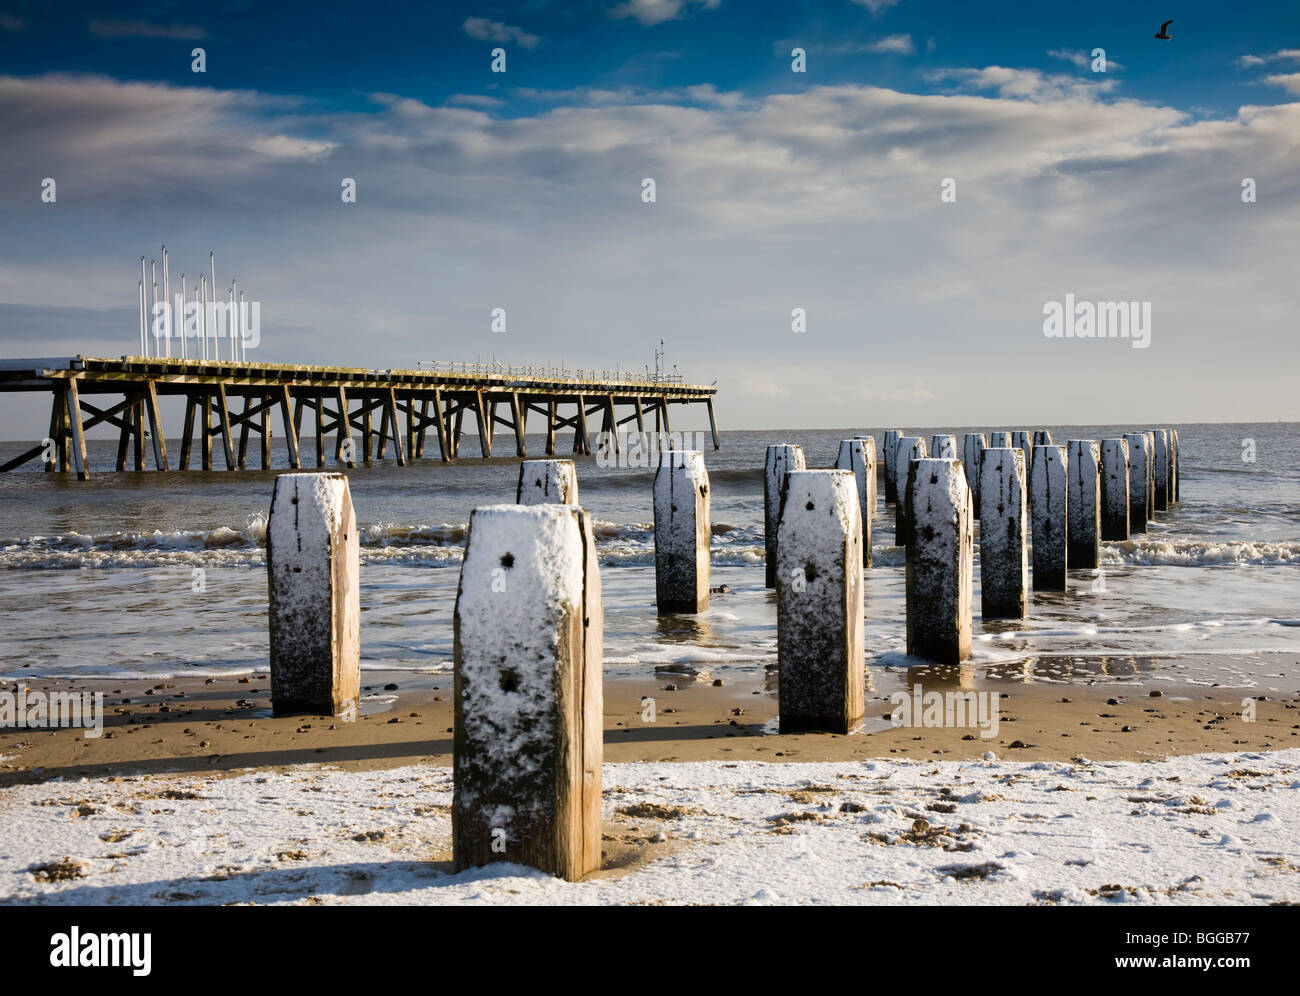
pixel 313 567
pixel 1000 440
pixel 1042 437
pixel 1083 505
pixel 909 448
pixel 528 698
pixel 682 532
pixel 1024 441
pixel 1139 481
pixel 859 456
pixel 782 458
pixel 1048 498
pixel 1004 553
pixel 819 611
pixel 888 448
pixel 1160 470
pixel 940 561
pixel 942 447
pixel 972 450
pixel 1114 489
pixel 547 482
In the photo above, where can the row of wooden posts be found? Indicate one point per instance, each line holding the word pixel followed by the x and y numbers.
pixel 528 624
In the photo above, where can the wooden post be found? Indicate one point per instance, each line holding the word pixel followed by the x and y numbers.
pixel 57 412
pixel 391 412
pixel 1174 477
pixel 973 444
pixel 410 425
pixel 1042 437
pixel 313 563
pixel 940 561
pixel 1139 481
pixel 859 457
pixel 547 482
pixel 909 448
pixel 319 406
pixel 344 448
pixel 1024 441
pixel 205 431
pixel 528 699
pixel 1000 439
pixel 1114 489
pixel 290 433
pixel 580 441
pixel 889 455
pixel 155 427
pixel 265 430
pixel 458 428
pixel 244 429
pixel 187 440
pixel 123 438
pixel 424 426
pixel 682 532
pixel 943 447
pixel 713 424
pixel 484 425
pixel 1049 497
pixel 1083 505
pixel 819 609
pixel 1004 555
pixel 782 459
pixel 444 450
pixel 519 413
pixel 73 403
pixel 1160 470
pixel 550 428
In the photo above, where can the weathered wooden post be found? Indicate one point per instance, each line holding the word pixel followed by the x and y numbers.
pixel 782 459
pixel 1004 554
pixel 1083 505
pixel 943 447
pixel 1024 441
pixel 1114 489
pixel 999 440
pixel 972 450
pixel 1174 481
pixel 547 482
pixel 1160 470
pixel 1048 496
pixel 313 567
pixel 819 609
pixel 528 699
pixel 859 456
pixel 682 532
pixel 1151 473
pixel 1139 481
pixel 889 448
pixel 1042 437
pixel 940 562
pixel 909 448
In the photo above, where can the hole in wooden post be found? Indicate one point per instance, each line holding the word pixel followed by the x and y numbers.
pixel 507 560
pixel 509 680
pixel 809 506
pixel 810 572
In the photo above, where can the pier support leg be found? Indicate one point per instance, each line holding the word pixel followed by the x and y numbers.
pixel 187 438
pixel 58 430
pixel 137 429
pixel 397 436
pixel 318 407
pixel 1048 498
pixel 781 460
pixel 223 412
pixel 265 432
pixel 1004 555
pixel 682 532
pixel 73 403
pixel 458 431
pixel 940 561
pixel 444 451
pixel 1083 505
pixel 313 567
pixel 290 429
pixel 819 612
pixel 581 443
pixel 528 739
pixel 1114 489
pixel 519 413
pixel 859 457
pixel 483 419
pixel 713 425
pixel 550 429
pixel 123 439
pixel 241 459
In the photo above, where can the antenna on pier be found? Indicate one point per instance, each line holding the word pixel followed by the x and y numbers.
pixel 659 361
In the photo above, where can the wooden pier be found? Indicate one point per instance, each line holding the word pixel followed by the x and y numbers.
pixel 233 401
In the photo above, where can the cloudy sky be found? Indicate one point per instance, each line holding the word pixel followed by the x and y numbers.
pixel 775 190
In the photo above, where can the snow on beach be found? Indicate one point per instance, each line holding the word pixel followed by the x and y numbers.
pixel 1196 829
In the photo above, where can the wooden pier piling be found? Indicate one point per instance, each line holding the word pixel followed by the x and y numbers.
pixel 547 482
pixel 782 460
pixel 888 452
pixel 683 532
pixel 1004 555
pixel 1114 489
pixel 1083 505
pixel 1139 480
pixel 972 450
pixel 859 456
pixel 1049 503
pixel 909 448
pixel 940 561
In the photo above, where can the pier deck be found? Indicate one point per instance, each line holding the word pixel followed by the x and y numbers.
pixel 232 401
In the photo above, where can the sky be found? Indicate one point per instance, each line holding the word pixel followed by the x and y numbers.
pixel 777 193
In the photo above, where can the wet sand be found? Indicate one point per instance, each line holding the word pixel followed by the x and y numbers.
pixel 224 725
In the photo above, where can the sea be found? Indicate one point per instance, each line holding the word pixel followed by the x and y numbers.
pixel 163 575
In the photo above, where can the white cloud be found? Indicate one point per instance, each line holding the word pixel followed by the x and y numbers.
pixel 651 12
pixel 1026 84
pixel 482 29
pixel 1080 58
pixel 1281 55
pixel 1288 81
pixel 899 44
pixel 136 28
pixel 877 7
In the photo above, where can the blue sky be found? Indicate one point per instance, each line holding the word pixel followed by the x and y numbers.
pixel 776 190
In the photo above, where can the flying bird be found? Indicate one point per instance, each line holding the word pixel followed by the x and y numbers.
pixel 1163 34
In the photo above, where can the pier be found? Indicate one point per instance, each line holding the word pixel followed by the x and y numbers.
pixel 229 402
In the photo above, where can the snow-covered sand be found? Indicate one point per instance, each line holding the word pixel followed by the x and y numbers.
pixel 1196 829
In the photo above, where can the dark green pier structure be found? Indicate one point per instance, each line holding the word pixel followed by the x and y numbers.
pixel 233 401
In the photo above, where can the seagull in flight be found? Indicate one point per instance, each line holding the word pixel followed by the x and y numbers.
pixel 1163 34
